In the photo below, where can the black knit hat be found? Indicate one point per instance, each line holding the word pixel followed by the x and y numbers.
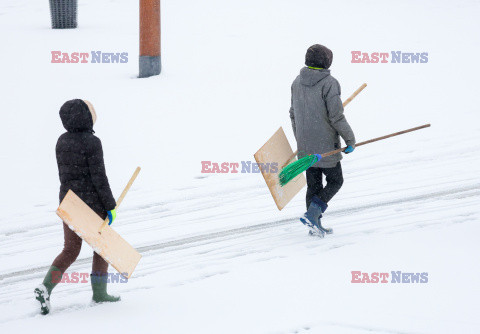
pixel 319 56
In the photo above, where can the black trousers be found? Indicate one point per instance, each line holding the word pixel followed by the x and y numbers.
pixel 334 178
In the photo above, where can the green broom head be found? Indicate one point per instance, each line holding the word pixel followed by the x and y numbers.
pixel 292 170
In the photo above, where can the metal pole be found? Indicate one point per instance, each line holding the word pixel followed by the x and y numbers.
pixel 150 57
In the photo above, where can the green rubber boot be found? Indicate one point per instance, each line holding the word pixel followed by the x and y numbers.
pixel 43 291
pixel 99 288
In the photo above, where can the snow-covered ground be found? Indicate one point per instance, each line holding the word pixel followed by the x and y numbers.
pixel 218 257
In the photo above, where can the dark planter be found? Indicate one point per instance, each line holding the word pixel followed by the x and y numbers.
pixel 63 14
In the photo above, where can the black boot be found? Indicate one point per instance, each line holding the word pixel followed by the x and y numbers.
pixel 43 291
pixel 99 288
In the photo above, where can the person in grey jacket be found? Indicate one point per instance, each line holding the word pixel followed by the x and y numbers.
pixel 318 123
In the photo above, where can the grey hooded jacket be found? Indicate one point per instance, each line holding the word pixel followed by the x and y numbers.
pixel 317 116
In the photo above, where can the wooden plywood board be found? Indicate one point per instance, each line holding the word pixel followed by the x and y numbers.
pixel 109 244
pixel 278 150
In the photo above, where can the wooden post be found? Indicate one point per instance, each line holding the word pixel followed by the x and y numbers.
pixel 150 58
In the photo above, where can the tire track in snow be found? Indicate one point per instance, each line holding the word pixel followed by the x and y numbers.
pixel 208 238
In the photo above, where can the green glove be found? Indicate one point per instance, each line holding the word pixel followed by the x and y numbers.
pixel 112 214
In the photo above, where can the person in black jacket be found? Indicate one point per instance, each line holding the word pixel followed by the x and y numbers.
pixel 81 169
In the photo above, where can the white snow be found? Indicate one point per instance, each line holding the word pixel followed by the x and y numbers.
pixel 218 257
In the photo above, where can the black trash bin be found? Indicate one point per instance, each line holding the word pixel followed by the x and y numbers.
pixel 63 14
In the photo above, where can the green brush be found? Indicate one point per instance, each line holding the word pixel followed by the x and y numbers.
pixel 291 171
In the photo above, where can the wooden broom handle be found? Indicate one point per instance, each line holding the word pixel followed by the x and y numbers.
pixel 355 93
pixel 376 139
pixel 347 101
pixel 122 196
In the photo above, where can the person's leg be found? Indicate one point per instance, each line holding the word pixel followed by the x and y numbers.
pixel 314 205
pixel 99 280
pixel 334 181
pixel 71 249
pixel 99 277
pixel 99 265
pixel 314 184
pixel 334 178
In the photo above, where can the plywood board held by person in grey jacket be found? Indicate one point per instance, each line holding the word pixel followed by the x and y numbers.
pixel 271 157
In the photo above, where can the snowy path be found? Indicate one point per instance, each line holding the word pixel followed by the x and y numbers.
pixel 232 236
pixel 214 252
pixel 471 192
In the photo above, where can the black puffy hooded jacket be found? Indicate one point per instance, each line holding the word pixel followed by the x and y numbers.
pixel 80 159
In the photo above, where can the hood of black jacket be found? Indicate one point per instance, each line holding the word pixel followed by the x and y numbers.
pixel 310 77
pixel 76 116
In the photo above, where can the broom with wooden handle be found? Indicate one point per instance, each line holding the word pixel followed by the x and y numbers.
pixel 122 196
pixel 355 93
pixel 292 170
pixel 347 101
